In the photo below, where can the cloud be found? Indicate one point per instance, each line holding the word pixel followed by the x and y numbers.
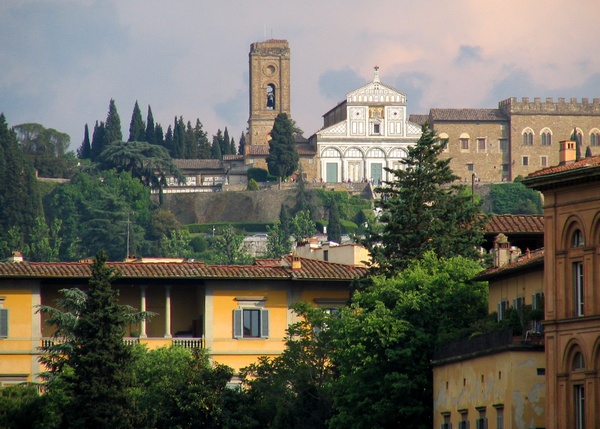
pixel 335 84
pixel 468 54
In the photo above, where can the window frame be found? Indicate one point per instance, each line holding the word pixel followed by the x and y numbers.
pixel 3 322
pixel 239 323
pixel 578 288
pixel 481 144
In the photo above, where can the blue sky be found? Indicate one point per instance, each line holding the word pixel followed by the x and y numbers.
pixel 61 61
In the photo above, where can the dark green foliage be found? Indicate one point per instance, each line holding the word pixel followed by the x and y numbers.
pixel 20 202
pixel 215 151
pixel 199 244
pixel 258 174
pixel 113 124
pixel 285 220
pixel 85 150
pixel 292 390
pixel 383 344
pixel 179 148
pixel 150 133
pixel 514 198
pixel 283 157
pixel 22 407
pixel 423 209
pixel 228 248
pixel 47 150
pixel 305 200
pixel 137 128
pixel 101 361
pixel 99 140
pixel 334 229
pixel 242 144
pixel 226 143
pixel 201 138
pixel 206 228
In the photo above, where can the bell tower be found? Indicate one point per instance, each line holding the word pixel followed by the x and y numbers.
pixel 269 88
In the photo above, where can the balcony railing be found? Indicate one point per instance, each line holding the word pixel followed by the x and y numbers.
pixel 186 343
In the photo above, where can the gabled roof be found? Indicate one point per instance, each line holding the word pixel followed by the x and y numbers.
pixel 527 262
pixel 466 115
pixel 511 224
pixel 269 269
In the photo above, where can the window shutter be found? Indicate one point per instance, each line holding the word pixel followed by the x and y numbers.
pixel 264 323
pixel 500 311
pixel 237 324
pixel 3 322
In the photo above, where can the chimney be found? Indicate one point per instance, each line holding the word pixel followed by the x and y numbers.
pixel 567 152
pixel 501 251
pixel 16 256
pixel 296 263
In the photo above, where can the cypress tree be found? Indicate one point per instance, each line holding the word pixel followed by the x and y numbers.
pixel 113 124
pixel 178 139
pixel 159 135
pixel 85 150
pixel 226 144
pixel 150 128
pixel 202 138
pixel 283 157
pixel 99 140
pixel 233 150
pixel 215 151
pixel 191 143
pixel 101 361
pixel 242 145
pixel 168 144
pixel 137 128
pixel 334 229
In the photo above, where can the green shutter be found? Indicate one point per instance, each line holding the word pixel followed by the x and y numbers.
pixel 3 322
pixel 237 324
pixel 264 323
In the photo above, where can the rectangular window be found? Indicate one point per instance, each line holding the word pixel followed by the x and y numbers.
pixel 481 144
pixel 251 323
pixel 518 304
pixel 463 424
pixel 375 128
pixel 502 309
pixel 500 418
pixel 525 160
pixel 469 167
pixel 578 286
pixel 579 407
pixel 3 322
pixel 464 144
pixel 481 423
pixel 326 255
pixel 537 301
pixel 503 144
pixel 505 168
pixel 544 161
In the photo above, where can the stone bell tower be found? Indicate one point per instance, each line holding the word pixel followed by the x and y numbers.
pixel 269 88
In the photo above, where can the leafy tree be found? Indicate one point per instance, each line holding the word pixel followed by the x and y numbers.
pixel 176 245
pixel 85 150
pixel 253 185
pixel 292 390
pixel 228 248
pixel 424 209
pixel 304 198
pixel 334 228
pixel 44 241
pixel 150 133
pixel 384 343
pixel 162 224
pixel 283 157
pixel 23 408
pixel 137 128
pixel 303 226
pixel 514 198
pixel 20 202
pixel 176 388
pixel 113 124
pixel 278 241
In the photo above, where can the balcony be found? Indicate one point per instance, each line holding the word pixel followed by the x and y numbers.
pixel 150 343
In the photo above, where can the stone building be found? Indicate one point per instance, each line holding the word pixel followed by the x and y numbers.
pixel 364 134
pixel 517 138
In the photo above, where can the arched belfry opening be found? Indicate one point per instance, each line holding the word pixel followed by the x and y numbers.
pixel 271 97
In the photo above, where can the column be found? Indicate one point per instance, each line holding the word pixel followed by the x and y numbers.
pixel 168 311
pixel 143 309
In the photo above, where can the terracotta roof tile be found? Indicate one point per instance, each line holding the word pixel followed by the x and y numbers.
pixel 515 224
pixel 582 163
pixel 233 157
pixel 310 270
pixel 418 119
pixel 305 149
pixel 466 115
pixel 261 149
pixel 525 262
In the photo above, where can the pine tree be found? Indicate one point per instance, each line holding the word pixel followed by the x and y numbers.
pixel 137 128
pixel 283 157
pixel 85 150
pixel 150 133
pixel 242 145
pixel 113 124
pixel 334 228
pixel 215 150
pixel 424 210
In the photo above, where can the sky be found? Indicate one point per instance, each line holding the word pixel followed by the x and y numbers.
pixel 62 61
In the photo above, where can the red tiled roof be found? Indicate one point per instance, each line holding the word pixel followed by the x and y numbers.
pixel 233 157
pixel 310 270
pixel 515 224
pixel 466 115
pixel 199 163
pixel 524 262
pixel 582 163
pixel 260 149
pixel 418 119
pixel 305 149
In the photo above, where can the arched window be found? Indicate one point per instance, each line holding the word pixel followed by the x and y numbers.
pixel 546 137
pixel 578 362
pixel 595 137
pixel 464 141
pixel 271 97
pixel 528 137
pixel 444 138
pixel 577 239
pixel 353 153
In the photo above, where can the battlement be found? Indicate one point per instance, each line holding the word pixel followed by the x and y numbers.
pixel 550 107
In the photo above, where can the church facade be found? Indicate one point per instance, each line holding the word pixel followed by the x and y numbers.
pixel 365 134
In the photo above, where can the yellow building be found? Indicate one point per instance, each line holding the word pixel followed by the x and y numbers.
pixel 497 380
pixel 238 313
